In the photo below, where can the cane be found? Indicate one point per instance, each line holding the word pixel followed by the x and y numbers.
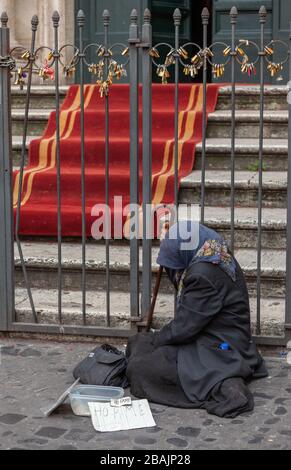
pixel 150 317
pixel 154 300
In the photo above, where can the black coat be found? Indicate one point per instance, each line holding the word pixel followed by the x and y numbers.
pixel 212 310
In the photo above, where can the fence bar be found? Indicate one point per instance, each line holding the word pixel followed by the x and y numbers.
pixel 262 17
pixel 147 163
pixel 106 23
pixel 81 24
pixel 134 160
pixel 233 21
pixel 7 311
pixel 34 26
pixel 288 253
pixel 177 23
pixel 205 21
pixel 56 55
pixel 71 330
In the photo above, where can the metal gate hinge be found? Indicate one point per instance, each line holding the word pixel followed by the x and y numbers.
pixel 7 61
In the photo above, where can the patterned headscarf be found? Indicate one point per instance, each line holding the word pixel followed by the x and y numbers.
pixel 189 243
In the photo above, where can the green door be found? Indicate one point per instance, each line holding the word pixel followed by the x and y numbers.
pixel 281 31
pixel 119 26
pixel 247 28
pixel 162 12
pixel 164 30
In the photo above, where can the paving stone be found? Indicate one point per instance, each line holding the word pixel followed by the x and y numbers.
pixel 79 435
pixel 156 411
pixel 280 411
pixel 207 422
pixel 29 352
pixel 272 421
pixel 154 430
pixel 9 351
pixel 264 430
pixel 188 432
pixel 51 432
pixel 145 441
pixel 117 436
pixel 39 442
pixel 12 418
pixel 177 442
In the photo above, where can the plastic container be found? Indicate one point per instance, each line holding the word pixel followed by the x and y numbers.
pixel 84 394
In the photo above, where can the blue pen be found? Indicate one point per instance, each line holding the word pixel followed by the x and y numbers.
pixel 224 347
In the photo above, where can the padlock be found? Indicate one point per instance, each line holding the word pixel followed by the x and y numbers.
pixel 26 55
pixel 240 51
pixel 193 71
pixel 183 53
pixel 227 51
pixel 125 52
pixel 69 71
pixel 154 53
pixel 101 51
pixel 269 50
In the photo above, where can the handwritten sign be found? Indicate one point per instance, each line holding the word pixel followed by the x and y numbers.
pixel 106 418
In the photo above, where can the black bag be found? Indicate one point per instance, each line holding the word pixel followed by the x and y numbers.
pixel 104 366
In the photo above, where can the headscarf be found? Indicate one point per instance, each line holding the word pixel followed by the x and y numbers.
pixel 188 243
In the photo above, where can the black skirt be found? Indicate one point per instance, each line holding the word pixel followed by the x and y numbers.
pixel 153 375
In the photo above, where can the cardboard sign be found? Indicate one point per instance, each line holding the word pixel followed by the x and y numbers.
pixel 106 418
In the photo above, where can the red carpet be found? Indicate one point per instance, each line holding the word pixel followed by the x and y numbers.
pixel 39 199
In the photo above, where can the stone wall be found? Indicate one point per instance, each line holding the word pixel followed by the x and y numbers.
pixel 20 14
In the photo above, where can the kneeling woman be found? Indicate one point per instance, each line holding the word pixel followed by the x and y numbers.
pixel 205 357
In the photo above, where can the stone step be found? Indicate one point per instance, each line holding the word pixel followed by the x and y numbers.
pixel 42 266
pixel 37 123
pixel 248 124
pixel 219 122
pixel 17 148
pixel 218 154
pixel 218 186
pixel 246 225
pixel 45 301
pixel 41 97
pixel 248 97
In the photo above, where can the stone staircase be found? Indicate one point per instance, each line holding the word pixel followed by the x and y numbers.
pixel 41 255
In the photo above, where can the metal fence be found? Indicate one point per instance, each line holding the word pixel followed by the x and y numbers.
pixel 141 59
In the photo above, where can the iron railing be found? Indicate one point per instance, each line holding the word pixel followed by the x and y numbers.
pixel 47 62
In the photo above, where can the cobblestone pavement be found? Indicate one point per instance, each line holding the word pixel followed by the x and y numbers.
pixel 33 374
